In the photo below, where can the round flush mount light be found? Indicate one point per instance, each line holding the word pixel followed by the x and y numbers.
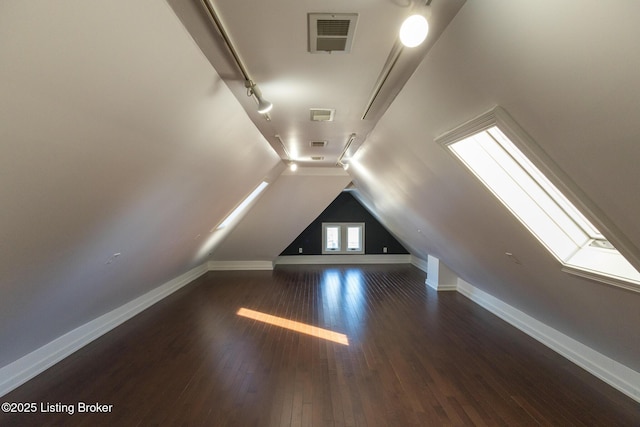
pixel 414 30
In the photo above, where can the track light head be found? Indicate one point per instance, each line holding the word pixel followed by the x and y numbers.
pixel 264 106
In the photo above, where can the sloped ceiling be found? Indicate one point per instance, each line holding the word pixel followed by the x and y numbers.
pixel 116 136
pixel 285 210
pixel 271 40
pixel 567 73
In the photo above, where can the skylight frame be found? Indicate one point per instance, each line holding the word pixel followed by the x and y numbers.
pixel 242 206
pixel 591 256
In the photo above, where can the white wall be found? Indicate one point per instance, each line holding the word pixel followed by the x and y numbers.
pixel 567 73
pixel 288 206
pixel 117 136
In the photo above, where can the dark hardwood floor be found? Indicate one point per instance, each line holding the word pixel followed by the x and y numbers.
pixel 415 358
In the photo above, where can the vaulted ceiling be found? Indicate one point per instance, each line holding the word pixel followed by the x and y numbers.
pixel 125 129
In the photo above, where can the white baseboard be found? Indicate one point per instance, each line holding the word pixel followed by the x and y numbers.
pixel 30 365
pixel 440 286
pixel 344 259
pixel 240 265
pixel 419 263
pixel 20 371
pixel 431 284
pixel 608 370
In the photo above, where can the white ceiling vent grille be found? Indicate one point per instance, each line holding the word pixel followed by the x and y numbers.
pixel 317 158
pixel 321 114
pixel 318 144
pixel 331 32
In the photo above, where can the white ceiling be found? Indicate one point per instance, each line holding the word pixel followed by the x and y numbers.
pixel 125 129
pixel 271 40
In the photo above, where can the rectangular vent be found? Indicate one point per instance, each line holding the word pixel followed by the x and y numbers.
pixel 331 32
pixel 333 27
pixel 317 158
pixel 318 144
pixel 331 44
pixel 321 114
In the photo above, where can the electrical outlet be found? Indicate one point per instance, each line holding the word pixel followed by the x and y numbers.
pixel 384 250
pixel 299 250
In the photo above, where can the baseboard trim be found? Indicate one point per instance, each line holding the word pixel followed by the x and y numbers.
pixel 441 287
pixel 608 370
pixel 419 263
pixel 22 370
pixel 240 265
pixel 344 259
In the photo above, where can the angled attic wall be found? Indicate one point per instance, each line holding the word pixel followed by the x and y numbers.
pixel 287 206
pixel 567 73
pixel 119 137
pixel 345 208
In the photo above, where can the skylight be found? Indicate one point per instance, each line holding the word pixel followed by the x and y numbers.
pixel 540 206
pixel 242 206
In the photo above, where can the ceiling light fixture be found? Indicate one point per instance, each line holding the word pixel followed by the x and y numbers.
pixel 292 165
pixel 264 106
pixel 415 28
pixel 352 137
pixel 284 147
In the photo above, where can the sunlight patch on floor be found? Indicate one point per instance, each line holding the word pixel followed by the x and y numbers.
pixel 303 328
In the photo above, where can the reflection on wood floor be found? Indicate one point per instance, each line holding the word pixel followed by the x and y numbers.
pixel 414 358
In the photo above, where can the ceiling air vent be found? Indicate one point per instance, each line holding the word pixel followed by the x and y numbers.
pixel 321 114
pixel 331 32
pixel 318 144
pixel 317 158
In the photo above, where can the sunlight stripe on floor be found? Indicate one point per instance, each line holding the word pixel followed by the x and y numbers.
pixel 292 325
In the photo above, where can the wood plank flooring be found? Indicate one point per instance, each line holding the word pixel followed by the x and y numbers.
pixel 415 358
